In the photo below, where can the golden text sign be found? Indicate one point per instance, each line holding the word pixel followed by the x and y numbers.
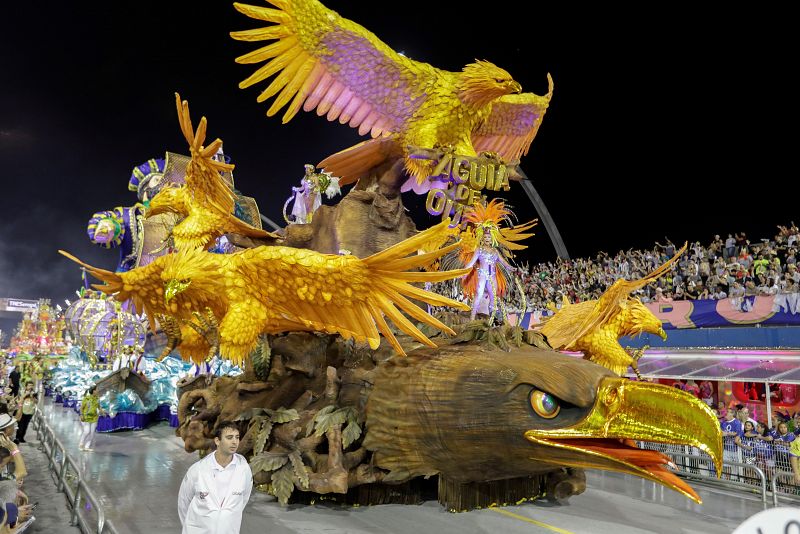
pixel 467 179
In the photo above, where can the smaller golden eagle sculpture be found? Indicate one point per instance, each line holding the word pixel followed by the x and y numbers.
pixel 237 297
pixel 595 326
pixel 205 201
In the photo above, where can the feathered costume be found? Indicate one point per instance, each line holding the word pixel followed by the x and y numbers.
pixel 486 248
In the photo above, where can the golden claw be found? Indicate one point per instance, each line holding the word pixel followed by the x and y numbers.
pixel 208 327
pixel 172 328
pixel 636 354
pixel 491 156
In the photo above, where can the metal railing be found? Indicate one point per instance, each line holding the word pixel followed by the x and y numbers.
pixel 59 463
pixel 695 472
pixel 693 463
pixel 775 477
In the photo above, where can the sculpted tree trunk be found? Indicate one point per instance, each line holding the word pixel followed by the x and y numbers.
pixel 308 428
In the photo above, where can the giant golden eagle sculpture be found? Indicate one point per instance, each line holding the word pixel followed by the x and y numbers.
pixel 595 326
pixel 205 201
pixel 330 64
pixel 237 297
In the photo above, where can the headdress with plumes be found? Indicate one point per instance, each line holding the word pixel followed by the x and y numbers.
pixel 487 218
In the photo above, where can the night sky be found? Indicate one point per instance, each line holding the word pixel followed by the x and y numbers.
pixel 661 124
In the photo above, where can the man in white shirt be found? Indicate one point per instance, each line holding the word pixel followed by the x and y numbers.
pixel 216 489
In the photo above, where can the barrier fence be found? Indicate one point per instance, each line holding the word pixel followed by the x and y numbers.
pixel 759 474
pixel 68 479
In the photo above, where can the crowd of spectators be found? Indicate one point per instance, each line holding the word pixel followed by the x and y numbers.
pixel 733 268
pixel 747 440
pixel 752 442
pixel 17 405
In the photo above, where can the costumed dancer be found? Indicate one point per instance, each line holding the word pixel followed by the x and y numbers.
pixel 308 197
pixel 90 413
pixel 37 373
pixel 124 358
pixel 25 411
pixel 486 249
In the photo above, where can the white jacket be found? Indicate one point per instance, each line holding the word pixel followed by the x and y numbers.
pixel 199 503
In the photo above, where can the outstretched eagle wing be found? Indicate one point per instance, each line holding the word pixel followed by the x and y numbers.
pixel 512 125
pixel 349 295
pixel 565 333
pixel 142 286
pixel 328 63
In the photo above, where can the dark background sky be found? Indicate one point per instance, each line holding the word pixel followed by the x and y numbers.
pixel 663 122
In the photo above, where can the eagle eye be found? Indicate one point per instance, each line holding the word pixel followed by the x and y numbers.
pixel 544 404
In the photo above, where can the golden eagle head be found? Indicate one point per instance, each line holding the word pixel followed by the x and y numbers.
pixel 168 200
pixel 483 82
pixel 472 415
pixel 190 280
pixel 638 319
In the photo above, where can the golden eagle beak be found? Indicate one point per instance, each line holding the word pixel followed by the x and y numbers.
pixel 516 87
pixel 153 209
pixel 626 411
pixel 173 287
pixel 662 334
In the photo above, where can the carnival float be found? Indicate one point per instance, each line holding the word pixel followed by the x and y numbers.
pixel 350 388
pixel 39 342
pixel 41 332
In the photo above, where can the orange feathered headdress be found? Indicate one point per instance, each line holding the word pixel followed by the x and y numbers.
pixel 487 217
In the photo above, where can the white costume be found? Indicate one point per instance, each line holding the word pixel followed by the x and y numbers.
pixel 212 498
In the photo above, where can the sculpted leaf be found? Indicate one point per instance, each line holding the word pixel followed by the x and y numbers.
pixel 299 468
pixel 327 421
pixel 536 339
pixel 250 414
pixel 350 433
pixel 268 461
pixel 262 437
pixel 262 359
pixel 283 415
pixel 282 484
pixel 516 334
pixel 312 422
